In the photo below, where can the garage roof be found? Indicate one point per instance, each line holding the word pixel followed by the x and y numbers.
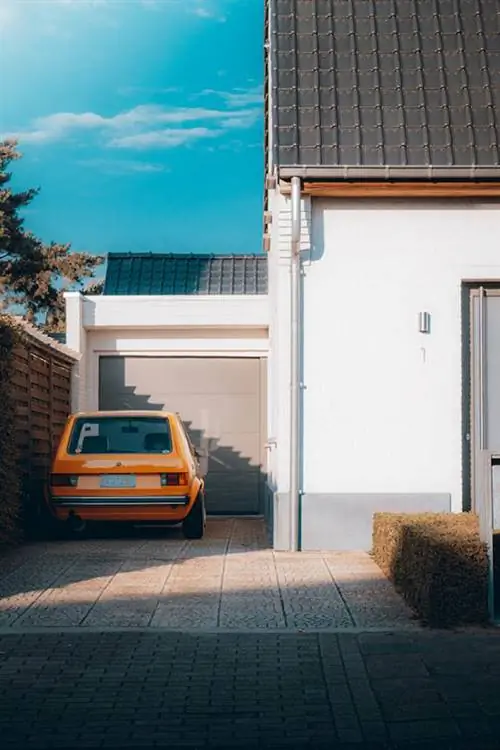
pixel 181 274
pixel 376 84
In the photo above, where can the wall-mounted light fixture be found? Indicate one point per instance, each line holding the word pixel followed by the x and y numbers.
pixel 424 322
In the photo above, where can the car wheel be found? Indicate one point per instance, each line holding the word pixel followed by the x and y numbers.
pixel 194 525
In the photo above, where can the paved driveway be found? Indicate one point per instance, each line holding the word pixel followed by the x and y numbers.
pixel 254 691
pixel 91 654
pixel 230 580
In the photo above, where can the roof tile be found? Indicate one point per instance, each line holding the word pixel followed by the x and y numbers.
pixel 355 80
pixel 161 274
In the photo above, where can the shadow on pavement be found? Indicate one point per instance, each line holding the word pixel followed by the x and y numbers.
pixel 175 690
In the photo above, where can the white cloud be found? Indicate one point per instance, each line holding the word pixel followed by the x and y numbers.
pixel 119 166
pixel 131 90
pixel 208 12
pixel 7 16
pixel 85 3
pixel 101 12
pixel 53 15
pixel 140 126
pixel 58 126
pixel 239 97
pixel 150 114
pixel 203 13
pixel 167 138
pixel 237 123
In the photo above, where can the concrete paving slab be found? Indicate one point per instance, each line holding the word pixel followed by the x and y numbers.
pixel 231 579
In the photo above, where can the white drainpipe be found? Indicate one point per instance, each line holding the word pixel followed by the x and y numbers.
pixel 295 366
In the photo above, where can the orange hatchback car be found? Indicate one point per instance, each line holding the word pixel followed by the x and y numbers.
pixel 127 466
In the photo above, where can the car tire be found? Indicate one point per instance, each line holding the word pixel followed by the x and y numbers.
pixel 193 526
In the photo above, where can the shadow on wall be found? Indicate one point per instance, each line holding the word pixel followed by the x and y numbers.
pixel 317 221
pixel 317 235
pixel 234 484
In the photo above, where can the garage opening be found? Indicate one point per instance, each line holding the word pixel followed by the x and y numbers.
pixel 222 401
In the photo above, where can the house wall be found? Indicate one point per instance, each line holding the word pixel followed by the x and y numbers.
pixel 382 403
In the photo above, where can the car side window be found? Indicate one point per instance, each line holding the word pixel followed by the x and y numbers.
pixel 188 439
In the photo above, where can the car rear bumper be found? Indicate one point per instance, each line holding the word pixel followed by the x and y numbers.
pixel 113 502
pixel 173 509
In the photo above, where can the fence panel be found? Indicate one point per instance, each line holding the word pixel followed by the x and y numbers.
pixel 42 390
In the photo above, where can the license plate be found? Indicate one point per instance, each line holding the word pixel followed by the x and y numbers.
pixel 118 481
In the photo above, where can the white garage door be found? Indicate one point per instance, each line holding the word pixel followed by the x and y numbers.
pixel 222 402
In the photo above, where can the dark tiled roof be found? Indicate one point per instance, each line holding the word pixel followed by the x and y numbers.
pixel 377 83
pixel 152 273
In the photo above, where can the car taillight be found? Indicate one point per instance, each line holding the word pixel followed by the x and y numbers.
pixel 63 480
pixel 173 479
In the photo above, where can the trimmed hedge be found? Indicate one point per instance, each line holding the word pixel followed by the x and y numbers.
pixel 10 485
pixel 437 562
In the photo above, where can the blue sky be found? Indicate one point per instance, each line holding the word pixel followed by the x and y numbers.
pixel 141 120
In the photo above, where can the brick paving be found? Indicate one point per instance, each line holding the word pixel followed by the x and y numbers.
pixel 229 581
pixel 146 640
pixel 255 690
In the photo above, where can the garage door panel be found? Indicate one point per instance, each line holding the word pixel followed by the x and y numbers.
pixel 218 399
pixel 203 376
pixel 222 413
pixel 245 447
pixel 121 399
pixel 234 491
pixel 228 459
pixel 199 410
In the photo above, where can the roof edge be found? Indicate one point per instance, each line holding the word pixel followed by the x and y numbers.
pixel 391 173
pixel 183 256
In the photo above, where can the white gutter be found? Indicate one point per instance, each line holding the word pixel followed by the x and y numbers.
pixel 395 172
pixel 295 367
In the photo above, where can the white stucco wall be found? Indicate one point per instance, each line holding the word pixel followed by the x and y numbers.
pixel 193 310
pixel 76 339
pixel 383 402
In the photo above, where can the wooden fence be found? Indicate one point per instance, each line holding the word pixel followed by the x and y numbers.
pixel 42 388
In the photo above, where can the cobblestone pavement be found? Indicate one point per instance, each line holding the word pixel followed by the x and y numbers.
pixel 230 580
pixel 256 690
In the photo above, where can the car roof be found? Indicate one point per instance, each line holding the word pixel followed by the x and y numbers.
pixel 124 413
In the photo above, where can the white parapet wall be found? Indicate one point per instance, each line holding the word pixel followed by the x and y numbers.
pixel 194 311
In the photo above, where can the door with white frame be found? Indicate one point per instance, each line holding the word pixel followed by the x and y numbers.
pixel 483 431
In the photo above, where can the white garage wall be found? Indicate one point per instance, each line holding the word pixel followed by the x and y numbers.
pixel 215 325
pixel 167 342
pixel 191 310
pixel 383 402
pixel 76 339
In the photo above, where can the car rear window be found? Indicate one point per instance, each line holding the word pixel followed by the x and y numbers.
pixel 104 435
